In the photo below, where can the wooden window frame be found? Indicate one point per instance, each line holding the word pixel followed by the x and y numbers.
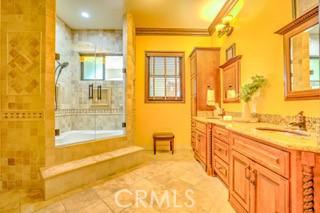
pixel 182 76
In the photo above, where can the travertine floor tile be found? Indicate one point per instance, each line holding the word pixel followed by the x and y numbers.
pixel 173 176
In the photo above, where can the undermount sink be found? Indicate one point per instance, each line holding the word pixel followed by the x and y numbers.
pixel 294 132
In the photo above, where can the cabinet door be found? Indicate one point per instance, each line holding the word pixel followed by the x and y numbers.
pixel 239 182
pixel 193 68
pixel 269 191
pixel 202 146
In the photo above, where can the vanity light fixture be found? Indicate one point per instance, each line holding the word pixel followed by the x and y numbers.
pixel 85 14
pixel 224 28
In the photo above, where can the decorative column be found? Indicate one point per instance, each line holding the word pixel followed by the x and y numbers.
pixel 308 163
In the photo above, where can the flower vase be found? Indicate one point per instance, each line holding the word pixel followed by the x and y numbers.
pixel 246 113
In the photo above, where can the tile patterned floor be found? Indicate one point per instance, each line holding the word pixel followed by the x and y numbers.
pixel 158 176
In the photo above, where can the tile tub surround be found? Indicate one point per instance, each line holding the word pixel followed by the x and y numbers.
pixel 283 140
pixel 61 178
pixel 88 119
pixel 75 110
pixel 83 136
pixel 27 124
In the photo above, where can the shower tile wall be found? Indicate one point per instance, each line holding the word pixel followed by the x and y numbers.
pixel 75 111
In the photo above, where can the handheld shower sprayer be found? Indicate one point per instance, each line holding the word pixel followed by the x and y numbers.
pixel 59 68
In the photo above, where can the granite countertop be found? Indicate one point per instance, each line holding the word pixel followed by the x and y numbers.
pixel 281 139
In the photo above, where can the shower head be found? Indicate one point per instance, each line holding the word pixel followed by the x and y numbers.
pixel 64 65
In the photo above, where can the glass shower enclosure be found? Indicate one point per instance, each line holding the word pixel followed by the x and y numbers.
pixel 90 89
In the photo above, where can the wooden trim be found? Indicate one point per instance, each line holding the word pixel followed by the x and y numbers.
pixel 299 21
pixel 182 78
pixel 164 53
pixel 204 49
pixel 304 22
pixel 225 10
pixel 230 61
pixel 100 54
pixel 141 31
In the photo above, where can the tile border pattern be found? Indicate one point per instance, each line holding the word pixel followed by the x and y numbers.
pixel 22 115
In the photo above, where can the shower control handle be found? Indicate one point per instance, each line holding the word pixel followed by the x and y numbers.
pixel 99 92
pixel 90 91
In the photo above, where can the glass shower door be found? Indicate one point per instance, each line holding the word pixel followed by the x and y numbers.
pixel 110 96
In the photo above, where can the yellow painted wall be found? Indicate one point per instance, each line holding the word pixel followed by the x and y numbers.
pixel 175 118
pixel 262 52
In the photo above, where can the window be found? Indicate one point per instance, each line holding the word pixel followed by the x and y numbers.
pixel 114 67
pixel 101 67
pixel 164 77
pixel 92 67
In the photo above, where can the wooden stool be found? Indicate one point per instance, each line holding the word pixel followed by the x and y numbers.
pixel 163 136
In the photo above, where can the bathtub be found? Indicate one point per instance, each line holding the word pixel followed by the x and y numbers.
pixel 77 136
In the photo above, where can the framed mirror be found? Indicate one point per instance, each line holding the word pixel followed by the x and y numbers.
pixel 300 7
pixel 231 80
pixel 301 57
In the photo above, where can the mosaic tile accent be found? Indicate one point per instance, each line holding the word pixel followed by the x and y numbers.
pixel 24 63
pixel 22 115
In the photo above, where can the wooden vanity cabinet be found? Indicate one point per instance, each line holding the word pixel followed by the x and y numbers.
pixel 201 144
pixel 255 187
pixel 204 66
pixel 220 153
pixel 262 177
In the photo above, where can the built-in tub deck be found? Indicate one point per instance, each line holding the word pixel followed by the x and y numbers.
pixel 61 178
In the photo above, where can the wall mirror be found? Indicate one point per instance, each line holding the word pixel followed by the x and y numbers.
pixel 231 80
pixel 301 57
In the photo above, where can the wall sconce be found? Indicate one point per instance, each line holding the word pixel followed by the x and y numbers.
pixel 224 28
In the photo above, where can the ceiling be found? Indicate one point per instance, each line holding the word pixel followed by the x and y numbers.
pixel 196 14
pixel 104 14
pixel 107 14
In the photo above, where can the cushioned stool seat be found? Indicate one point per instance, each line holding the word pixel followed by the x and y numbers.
pixel 163 136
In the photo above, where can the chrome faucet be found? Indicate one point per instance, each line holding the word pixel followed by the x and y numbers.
pixel 300 121
pixel 222 113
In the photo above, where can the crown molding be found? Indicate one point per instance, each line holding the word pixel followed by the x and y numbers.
pixel 225 10
pixel 141 31
pixel 302 19
pixel 227 7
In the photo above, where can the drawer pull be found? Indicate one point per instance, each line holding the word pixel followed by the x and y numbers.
pixel 253 177
pixel 247 172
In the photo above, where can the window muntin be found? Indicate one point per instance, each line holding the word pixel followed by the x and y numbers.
pixel 101 67
pixel 165 76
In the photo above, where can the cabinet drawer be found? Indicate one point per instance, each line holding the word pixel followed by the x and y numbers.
pixel 221 168
pixel 221 149
pixel 272 158
pixel 221 133
pixel 201 127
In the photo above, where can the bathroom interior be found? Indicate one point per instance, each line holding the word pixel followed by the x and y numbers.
pixel 89 94
pixel 160 106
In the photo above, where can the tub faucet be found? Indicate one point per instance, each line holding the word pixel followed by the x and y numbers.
pixel 300 121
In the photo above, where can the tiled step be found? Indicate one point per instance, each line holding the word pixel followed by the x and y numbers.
pixel 64 177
